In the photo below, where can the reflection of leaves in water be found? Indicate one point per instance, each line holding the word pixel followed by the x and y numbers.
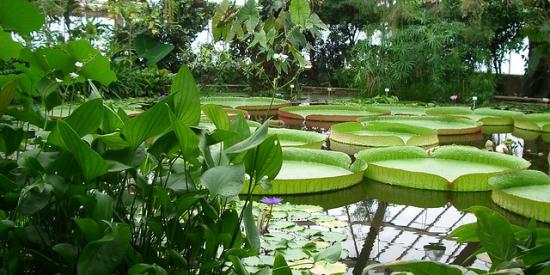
pixel 363 210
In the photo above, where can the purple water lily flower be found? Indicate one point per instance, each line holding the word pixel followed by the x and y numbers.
pixel 271 200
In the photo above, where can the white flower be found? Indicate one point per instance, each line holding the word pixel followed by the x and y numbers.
pixel 545 100
pixel 307 66
pixel 73 75
pixel 474 98
pixel 58 80
pixel 79 64
pixel 386 90
pixel 291 86
pixel 280 56
pixel 329 89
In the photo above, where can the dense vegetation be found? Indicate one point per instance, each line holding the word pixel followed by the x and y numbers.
pixel 419 49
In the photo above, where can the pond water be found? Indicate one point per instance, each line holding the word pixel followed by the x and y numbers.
pixel 388 223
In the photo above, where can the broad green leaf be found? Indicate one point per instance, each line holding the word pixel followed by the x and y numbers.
pixel 54 59
pixel 84 120
pixel 103 208
pixel 10 138
pixel 299 12
pixel 280 267
pixel 254 140
pixel 9 49
pixel 20 16
pixel 249 15
pixel 419 268
pixel 495 234
pixel 188 140
pixel 89 228
pixel 150 49
pixel 465 233
pixel 330 254
pixel 7 93
pixel 251 229
pixel 217 115
pixel 226 181
pixel 186 97
pixel 103 255
pixel 95 66
pixel 240 130
pixel 67 251
pixel 150 123
pixel 34 198
pixel 91 163
pixel 111 120
pixel 266 159
pixel 113 141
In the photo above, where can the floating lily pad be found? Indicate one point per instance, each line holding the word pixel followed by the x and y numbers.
pixel 310 171
pixel 448 168
pixel 445 125
pixel 487 116
pixel 403 109
pixel 526 193
pixel 382 134
pixel 255 106
pixel 533 122
pixel 329 113
pixel 297 138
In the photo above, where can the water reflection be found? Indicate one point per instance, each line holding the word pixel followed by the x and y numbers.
pixel 388 223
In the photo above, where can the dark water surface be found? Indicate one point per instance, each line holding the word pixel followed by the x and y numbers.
pixel 388 223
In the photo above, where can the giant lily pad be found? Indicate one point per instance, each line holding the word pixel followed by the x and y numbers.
pixel 533 122
pixel 255 106
pixel 329 113
pixel 311 170
pixel 445 125
pixel 526 193
pixel 382 134
pixel 404 109
pixel 298 138
pixel 447 168
pixel 487 116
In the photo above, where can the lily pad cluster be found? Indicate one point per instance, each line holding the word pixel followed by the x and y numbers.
pixel 307 238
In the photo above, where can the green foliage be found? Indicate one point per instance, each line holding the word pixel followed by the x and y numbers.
pixel 98 193
pixel 431 52
pixel 273 39
pixel 153 51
